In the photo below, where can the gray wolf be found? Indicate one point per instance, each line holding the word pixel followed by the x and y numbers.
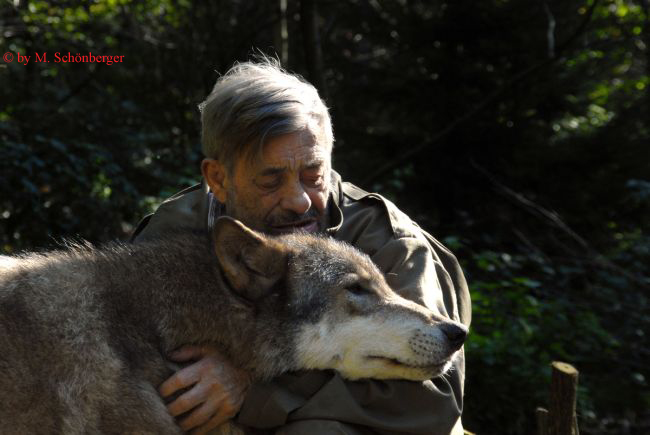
pixel 84 331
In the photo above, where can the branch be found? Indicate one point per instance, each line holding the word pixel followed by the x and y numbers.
pixel 533 207
pixel 593 256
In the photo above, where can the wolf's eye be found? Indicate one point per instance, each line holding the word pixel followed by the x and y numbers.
pixel 357 289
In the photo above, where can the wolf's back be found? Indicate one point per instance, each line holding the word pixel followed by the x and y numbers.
pixel 63 363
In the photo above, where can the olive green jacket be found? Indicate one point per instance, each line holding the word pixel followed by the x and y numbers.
pixel 415 264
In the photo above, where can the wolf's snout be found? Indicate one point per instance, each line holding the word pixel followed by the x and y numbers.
pixel 455 334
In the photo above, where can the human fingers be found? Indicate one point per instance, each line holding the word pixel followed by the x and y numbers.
pixel 201 415
pixel 228 407
pixel 187 352
pixel 183 378
pixel 224 414
pixel 189 400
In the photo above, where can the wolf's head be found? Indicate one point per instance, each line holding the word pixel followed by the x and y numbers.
pixel 325 305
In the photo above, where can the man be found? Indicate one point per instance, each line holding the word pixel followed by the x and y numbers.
pixel 267 138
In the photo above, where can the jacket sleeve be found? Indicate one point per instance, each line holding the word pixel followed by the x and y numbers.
pixel 187 208
pixel 324 403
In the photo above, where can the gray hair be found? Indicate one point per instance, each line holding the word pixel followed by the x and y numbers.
pixel 257 101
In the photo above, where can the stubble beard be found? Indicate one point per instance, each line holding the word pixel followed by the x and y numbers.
pixel 243 214
pixel 266 224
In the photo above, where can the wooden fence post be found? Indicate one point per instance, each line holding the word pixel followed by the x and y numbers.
pixel 541 415
pixel 560 419
pixel 564 390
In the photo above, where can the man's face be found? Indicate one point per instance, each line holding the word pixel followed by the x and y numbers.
pixel 283 191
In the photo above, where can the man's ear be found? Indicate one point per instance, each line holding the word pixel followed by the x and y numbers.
pixel 214 173
pixel 251 262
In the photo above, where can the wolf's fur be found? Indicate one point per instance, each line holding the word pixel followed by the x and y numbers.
pixel 84 332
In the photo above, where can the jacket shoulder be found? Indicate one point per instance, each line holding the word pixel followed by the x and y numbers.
pixel 399 223
pixel 187 208
pixel 379 228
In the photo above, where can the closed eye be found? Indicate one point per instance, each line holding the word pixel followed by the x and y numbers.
pixel 357 289
pixel 269 183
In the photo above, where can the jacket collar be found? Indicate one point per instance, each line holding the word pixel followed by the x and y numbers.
pixel 334 206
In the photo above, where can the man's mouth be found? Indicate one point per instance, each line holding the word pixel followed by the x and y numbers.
pixel 307 225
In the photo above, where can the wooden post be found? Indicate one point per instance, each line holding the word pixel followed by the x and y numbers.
pixel 541 415
pixel 562 409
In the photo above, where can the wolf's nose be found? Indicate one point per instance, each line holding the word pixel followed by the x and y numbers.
pixel 455 333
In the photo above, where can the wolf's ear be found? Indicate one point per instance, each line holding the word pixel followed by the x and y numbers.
pixel 251 262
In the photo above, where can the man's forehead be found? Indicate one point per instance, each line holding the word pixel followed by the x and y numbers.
pixel 295 151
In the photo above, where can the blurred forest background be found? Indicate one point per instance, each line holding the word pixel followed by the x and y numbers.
pixel 515 131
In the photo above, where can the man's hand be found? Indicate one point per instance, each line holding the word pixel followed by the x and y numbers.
pixel 217 392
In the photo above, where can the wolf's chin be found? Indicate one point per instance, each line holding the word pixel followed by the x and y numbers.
pixel 421 371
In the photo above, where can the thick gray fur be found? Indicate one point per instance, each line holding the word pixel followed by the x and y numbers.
pixel 84 331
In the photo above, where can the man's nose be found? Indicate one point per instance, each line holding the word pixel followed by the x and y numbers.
pixel 296 199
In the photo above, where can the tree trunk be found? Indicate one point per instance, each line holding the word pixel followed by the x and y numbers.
pixel 312 45
pixel 281 36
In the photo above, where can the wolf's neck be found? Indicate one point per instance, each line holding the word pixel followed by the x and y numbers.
pixel 186 297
